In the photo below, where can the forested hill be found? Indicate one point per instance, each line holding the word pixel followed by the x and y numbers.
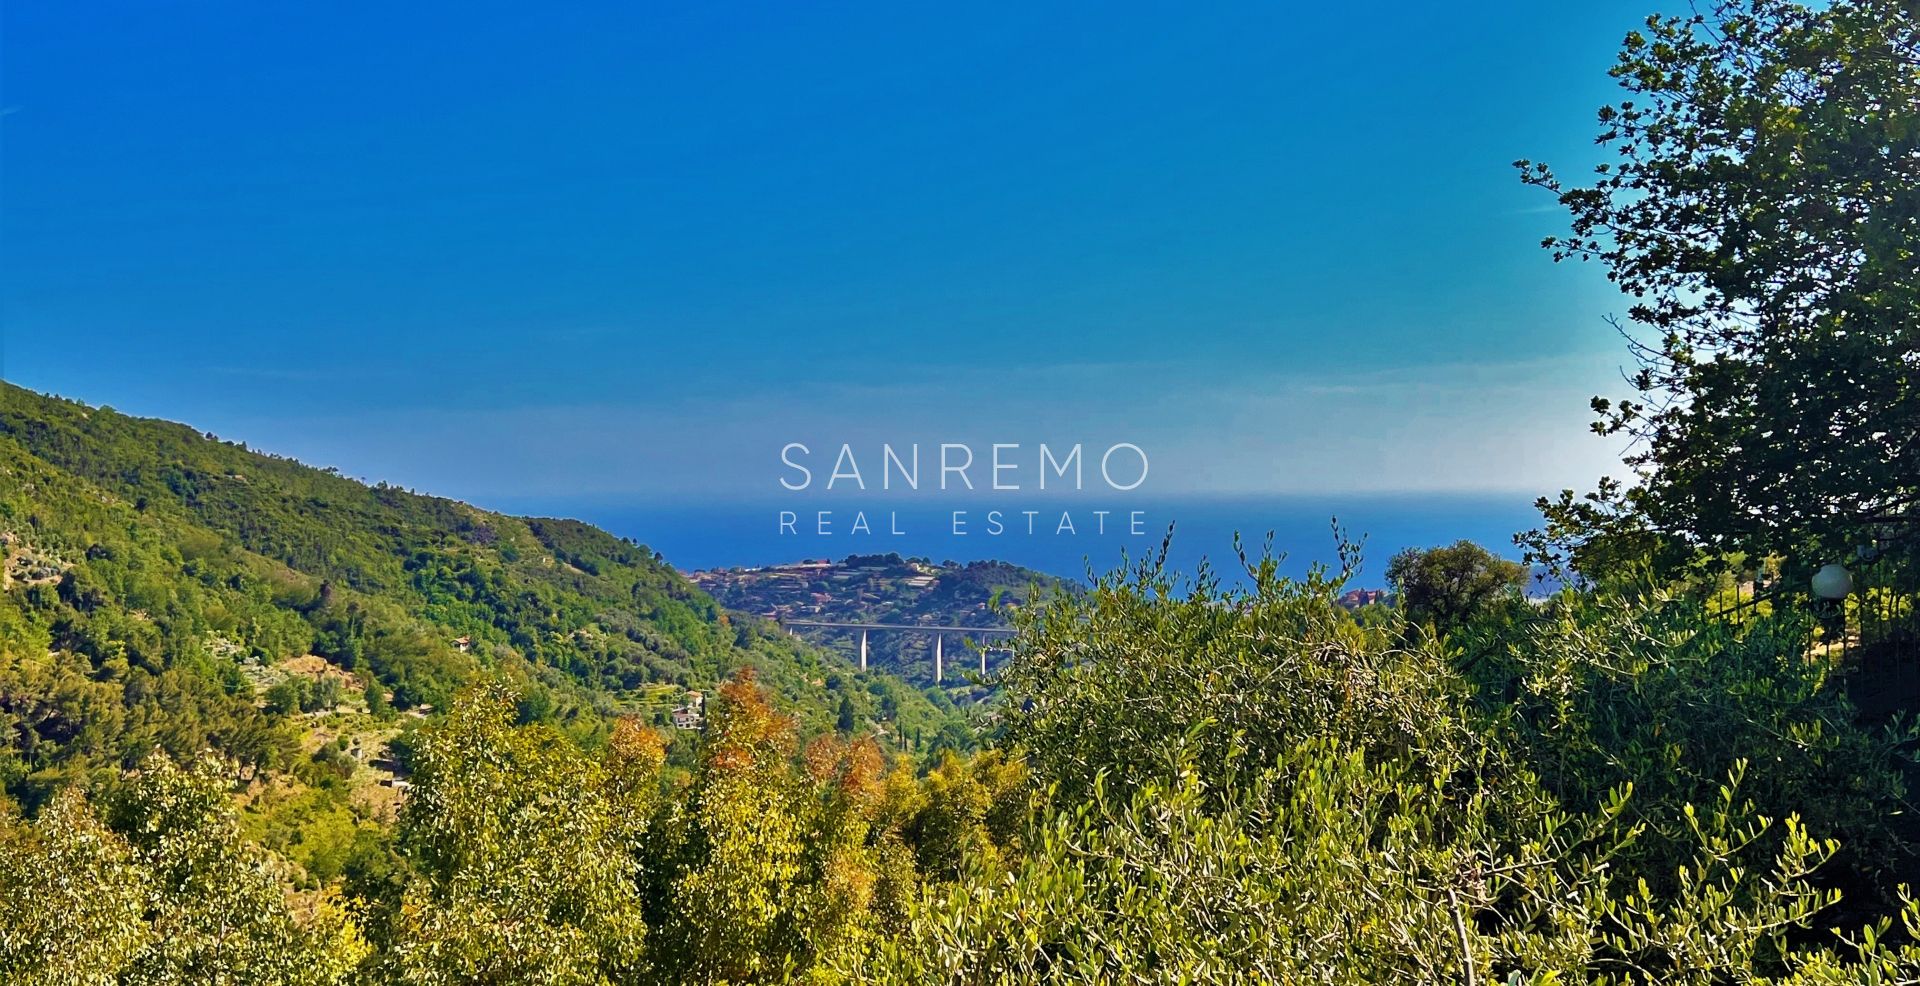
pixel 163 588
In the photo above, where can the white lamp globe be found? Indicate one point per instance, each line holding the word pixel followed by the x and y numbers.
pixel 1832 582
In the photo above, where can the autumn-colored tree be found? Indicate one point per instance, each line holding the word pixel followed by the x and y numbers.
pixel 745 844
pixel 634 758
pixel 839 864
pixel 777 850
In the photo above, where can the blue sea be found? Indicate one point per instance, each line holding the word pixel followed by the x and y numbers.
pixel 696 536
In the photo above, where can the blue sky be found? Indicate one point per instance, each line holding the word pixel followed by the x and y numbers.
pixel 629 250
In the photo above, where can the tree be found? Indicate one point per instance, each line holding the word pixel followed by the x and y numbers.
pixel 525 873
pixel 287 696
pixel 1246 786
pixel 376 697
pixel 846 721
pixel 219 908
pixel 1763 212
pixel 1448 586
pixel 1146 670
pixel 839 864
pixel 322 694
pixel 770 866
pixel 71 899
pixel 1335 868
pixel 746 845
pixel 968 815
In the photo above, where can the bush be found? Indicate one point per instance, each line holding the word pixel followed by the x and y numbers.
pixel 1598 690
pixel 1146 672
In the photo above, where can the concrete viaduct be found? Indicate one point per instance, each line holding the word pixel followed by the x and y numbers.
pixel 939 638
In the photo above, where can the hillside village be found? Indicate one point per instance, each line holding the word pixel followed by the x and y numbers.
pixel 882 589
pixel 877 589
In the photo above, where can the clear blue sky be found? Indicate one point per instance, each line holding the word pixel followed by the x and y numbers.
pixel 522 249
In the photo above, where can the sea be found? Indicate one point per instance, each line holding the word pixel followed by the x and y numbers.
pixel 1300 529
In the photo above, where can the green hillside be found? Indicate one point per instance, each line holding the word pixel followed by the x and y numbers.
pixel 167 589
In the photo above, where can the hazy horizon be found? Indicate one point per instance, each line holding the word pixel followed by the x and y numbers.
pixel 692 537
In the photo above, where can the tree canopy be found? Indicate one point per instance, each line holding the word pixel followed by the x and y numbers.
pixel 1761 208
pixel 1448 585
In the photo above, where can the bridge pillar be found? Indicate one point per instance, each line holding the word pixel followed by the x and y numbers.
pixel 938 671
pixel 983 657
pixel 863 650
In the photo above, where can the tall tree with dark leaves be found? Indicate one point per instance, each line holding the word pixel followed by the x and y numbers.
pixel 1762 209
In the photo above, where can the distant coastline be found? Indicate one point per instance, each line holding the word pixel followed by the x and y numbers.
pixel 730 534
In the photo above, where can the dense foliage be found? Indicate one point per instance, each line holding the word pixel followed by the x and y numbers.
pixel 1189 783
pixel 164 591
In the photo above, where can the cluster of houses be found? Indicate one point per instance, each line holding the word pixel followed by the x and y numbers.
pixel 691 714
pixel 1356 598
pixel 813 588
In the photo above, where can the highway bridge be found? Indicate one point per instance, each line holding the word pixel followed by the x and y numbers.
pixel 939 638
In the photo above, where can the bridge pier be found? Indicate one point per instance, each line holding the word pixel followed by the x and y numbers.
pixel 938 670
pixel 863 650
